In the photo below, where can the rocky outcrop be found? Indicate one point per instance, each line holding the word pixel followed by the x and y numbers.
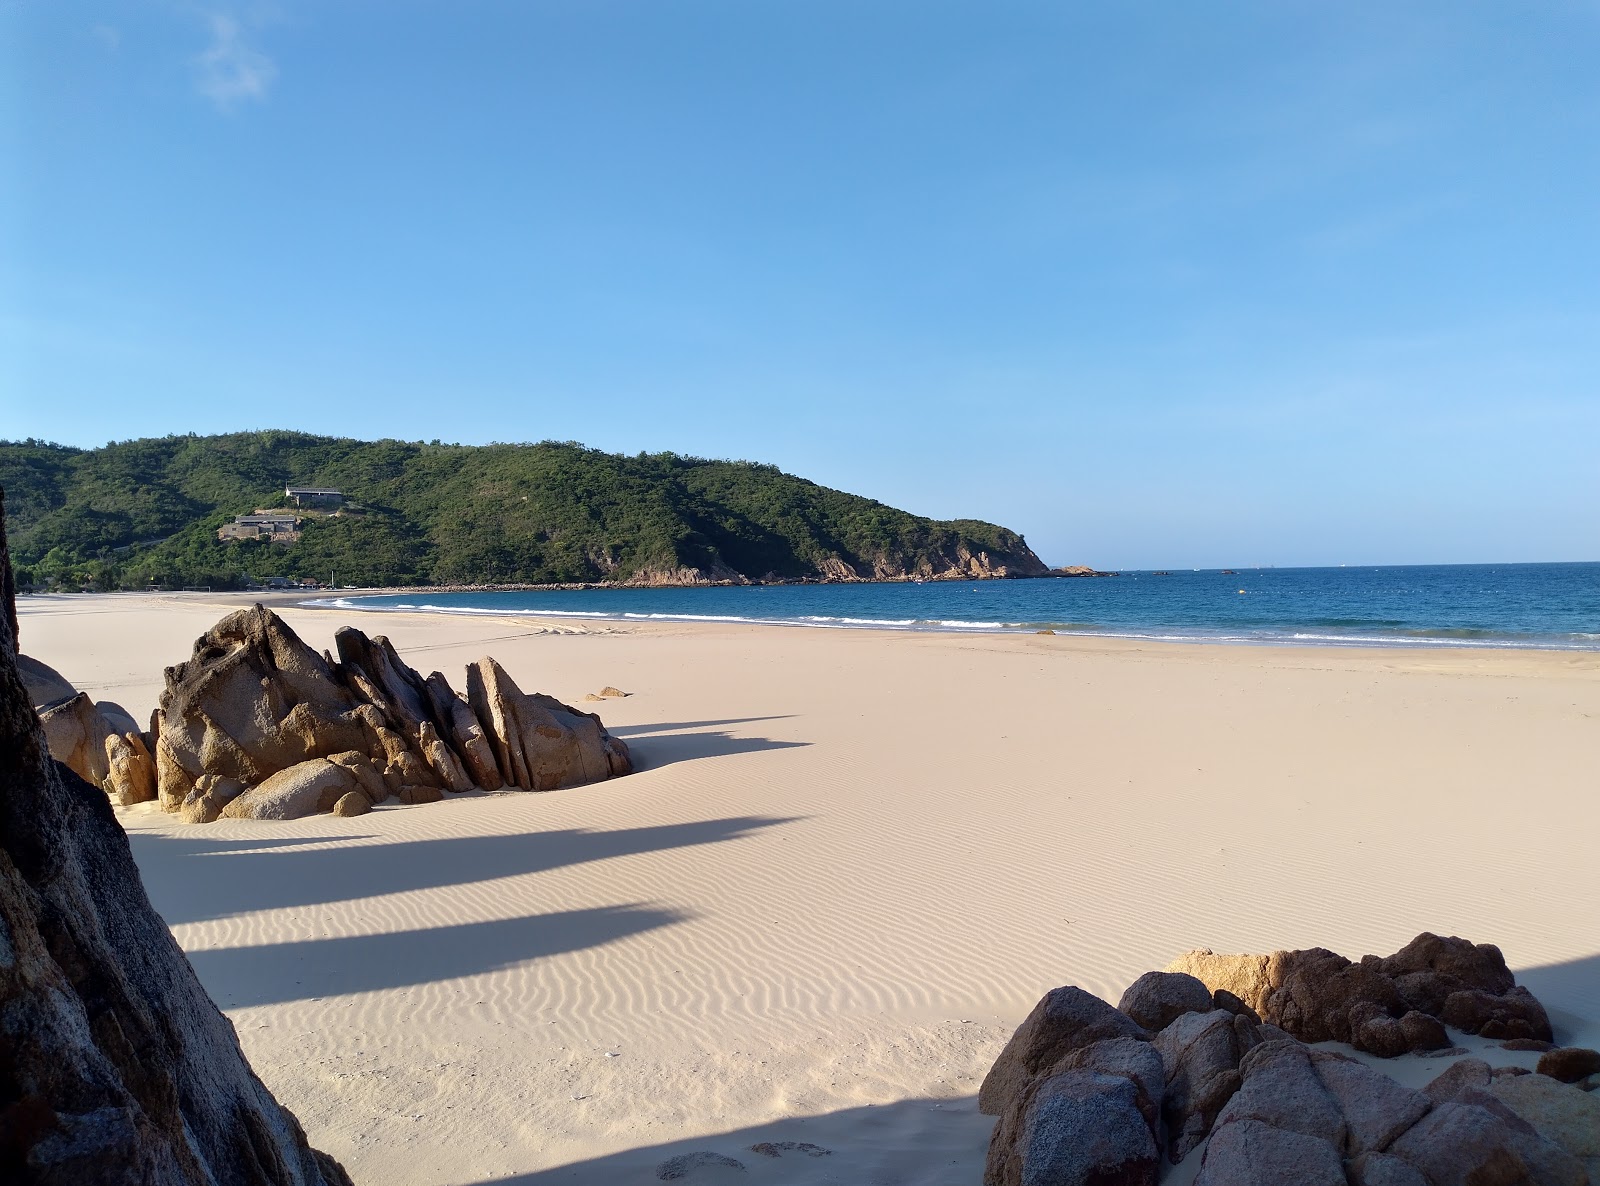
pixel 115 1067
pixel 45 685
pixel 257 708
pixel 1384 1006
pixel 1088 1095
pixel 112 756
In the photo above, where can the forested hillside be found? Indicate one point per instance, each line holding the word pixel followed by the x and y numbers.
pixel 137 513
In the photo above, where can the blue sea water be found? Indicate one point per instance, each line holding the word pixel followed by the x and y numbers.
pixel 1465 605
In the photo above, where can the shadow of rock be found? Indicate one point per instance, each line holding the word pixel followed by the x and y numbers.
pixel 1570 993
pixel 278 972
pixel 914 1142
pixel 186 885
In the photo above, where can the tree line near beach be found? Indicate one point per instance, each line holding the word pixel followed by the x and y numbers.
pixel 142 513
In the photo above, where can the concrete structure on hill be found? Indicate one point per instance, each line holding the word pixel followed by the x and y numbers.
pixel 278 526
pixel 308 496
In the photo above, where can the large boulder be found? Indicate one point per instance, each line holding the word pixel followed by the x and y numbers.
pixel 97 750
pixel 115 1067
pixel 45 685
pixel 1157 998
pixel 1558 1112
pixel 460 726
pixel 540 743
pixel 305 788
pixel 1376 1109
pixel 1076 1128
pixel 1251 1153
pixel 1066 1019
pixel 1471 1144
pixel 1200 1053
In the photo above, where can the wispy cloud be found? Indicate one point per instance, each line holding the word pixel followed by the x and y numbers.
pixel 229 70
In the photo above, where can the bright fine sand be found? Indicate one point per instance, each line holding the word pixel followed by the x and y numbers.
pixel 849 864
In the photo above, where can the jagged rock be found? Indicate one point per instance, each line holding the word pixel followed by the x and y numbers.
pixel 1066 1019
pixel 76 733
pixel 366 775
pixel 1468 1144
pixel 352 803
pixel 1250 1153
pixel 420 794
pixel 1223 999
pixel 1200 1053
pixel 1133 1059
pixel 1384 1006
pixel 1376 1109
pixel 371 666
pixel 116 1067
pixel 461 727
pixel 540 743
pixel 1558 1112
pixel 1384 1169
pixel 302 789
pixel 1281 1089
pixel 206 799
pixel 442 758
pixel 1075 1128
pixel 610 693
pixel 251 701
pixel 1569 1063
pixel 131 771
pixel 45 685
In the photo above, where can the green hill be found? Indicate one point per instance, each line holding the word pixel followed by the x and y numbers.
pixel 140 512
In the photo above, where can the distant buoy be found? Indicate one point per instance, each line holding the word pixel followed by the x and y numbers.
pixel 1241 590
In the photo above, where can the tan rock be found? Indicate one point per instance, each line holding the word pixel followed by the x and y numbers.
pixel 462 729
pixel 76 734
pixel 206 799
pixel 44 684
pixel 365 774
pixel 1558 1112
pixel 442 758
pixel 352 803
pixel 305 788
pixel 1251 978
pixel 610 693
pixel 541 744
pixel 131 771
pixel 420 794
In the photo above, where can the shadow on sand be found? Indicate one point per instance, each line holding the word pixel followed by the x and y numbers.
pixel 278 972
pixel 658 745
pixel 1570 993
pixel 915 1142
pixel 187 885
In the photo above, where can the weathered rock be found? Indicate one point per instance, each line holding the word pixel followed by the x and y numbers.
pixel 1465 1144
pixel 305 788
pixel 779 1148
pixel 115 1067
pixel 1530 1044
pixel 461 727
pixel 1223 999
pixel 1557 1111
pixel 1456 1079
pixel 365 774
pixel 1076 1128
pixel 1281 1089
pixel 1512 1014
pixel 1200 1053
pixel 442 758
pixel 1133 1059
pixel 352 803
pixel 45 685
pixel 1384 1006
pixel 130 770
pixel 1157 998
pixel 252 700
pixel 206 799
pixel 1569 1063
pixel 371 666
pixel 540 743
pixel 76 734
pixel 610 693
pixel 1376 1109
pixel 1066 1019
pixel 1383 1169
pixel 1250 1153
pixel 420 794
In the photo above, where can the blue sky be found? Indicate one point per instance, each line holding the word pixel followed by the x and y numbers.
pixel 1154 283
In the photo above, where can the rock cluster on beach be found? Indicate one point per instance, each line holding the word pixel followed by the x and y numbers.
pixel 1216 1050
pixel 257 725
pixel 115 1066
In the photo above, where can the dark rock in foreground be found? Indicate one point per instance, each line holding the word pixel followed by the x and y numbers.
pixel 115 1067
pixel 1088 1095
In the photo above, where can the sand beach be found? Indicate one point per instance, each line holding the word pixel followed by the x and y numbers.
pixel 848 864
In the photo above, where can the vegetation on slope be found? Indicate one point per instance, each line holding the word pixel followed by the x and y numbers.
pixel 136 513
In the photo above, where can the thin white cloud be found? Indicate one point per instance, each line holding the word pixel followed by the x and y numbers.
pixel 229 70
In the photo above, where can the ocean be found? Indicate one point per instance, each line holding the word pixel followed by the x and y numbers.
pixel 1460 605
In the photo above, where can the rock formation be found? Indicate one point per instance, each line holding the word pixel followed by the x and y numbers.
pixel 1088 1095
pixel 1384 1006
pixel 102 748
pixel 282 732
pixel 115 1067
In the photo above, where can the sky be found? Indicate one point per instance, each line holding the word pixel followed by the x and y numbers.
pixel 1155 284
